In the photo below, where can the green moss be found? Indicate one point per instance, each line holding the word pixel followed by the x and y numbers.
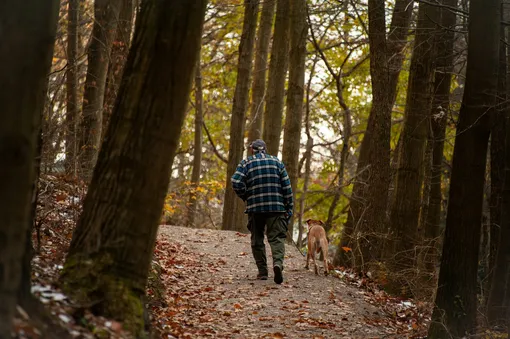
pixel 90 283
pixel 155 284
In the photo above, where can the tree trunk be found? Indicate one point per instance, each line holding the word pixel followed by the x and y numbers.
pixel 278 66
pixel 258 89
pixel 456 303
pixel 113 242
pixel 295 95
pixel 346 131
pixel 197 152
pixel 427 178
pixel 25 292
pixel 106 16
pixel 405 208
pixel 23 81
pixel 72 86
pixel 344 153
pixel 307 157
pixel 367 215
pixel 233 206
pixel 440 112
pixel 118 57
pixel 499 255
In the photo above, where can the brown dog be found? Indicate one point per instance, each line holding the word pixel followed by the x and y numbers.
pixel 317 243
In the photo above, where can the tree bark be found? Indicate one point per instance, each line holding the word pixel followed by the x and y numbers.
pixel 118 57
pixel 405 208
pixel 427 178
pixel 233 206
pixel 72 86
pixel 258 88
pixel 25 287
pixel 499 252
pixel 197 152
pixel 367 215
pixel 307 157
pixel 278 66
pixel 295 95
pixel 112 245
pixel 456 303
pixel 346 129
pixel 106 16
pixel 440 112
pixel 23 81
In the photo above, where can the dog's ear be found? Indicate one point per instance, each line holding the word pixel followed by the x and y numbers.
pixel 308 221
pixel 321 222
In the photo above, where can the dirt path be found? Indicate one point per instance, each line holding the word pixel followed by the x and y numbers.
pixel 214 283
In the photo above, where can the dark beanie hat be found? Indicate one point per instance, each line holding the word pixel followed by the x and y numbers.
pixel 258 145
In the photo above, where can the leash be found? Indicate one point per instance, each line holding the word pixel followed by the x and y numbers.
pixel 296 245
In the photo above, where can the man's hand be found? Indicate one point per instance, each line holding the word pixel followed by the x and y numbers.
pixel 288 215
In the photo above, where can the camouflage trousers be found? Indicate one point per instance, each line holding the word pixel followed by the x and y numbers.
pixel 275 225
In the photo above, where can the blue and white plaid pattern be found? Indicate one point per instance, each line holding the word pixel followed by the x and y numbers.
pixel 262 181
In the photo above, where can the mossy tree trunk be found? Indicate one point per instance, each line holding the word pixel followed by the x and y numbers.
pixel 233 207
pixel 278 66
pixel 111 250
pixel 455 312
pixel 106 17
pixel 23 81
pixel 295 95
pixel 258 89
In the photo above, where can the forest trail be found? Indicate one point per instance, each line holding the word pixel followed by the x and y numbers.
pixel 212 292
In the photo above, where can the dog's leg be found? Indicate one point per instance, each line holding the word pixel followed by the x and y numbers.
pixel 324 246
pixel 307 257
pixel 316 248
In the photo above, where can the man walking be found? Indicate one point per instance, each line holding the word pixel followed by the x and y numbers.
pixel 262 182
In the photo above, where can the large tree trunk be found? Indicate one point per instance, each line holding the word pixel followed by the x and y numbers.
pixel 197 152
pixel 72 86
pixel 440 112
pixel 233 206
pixel 113 242
pixel 499 255
pixel 405 208
pixel 295 95
pixel 106 16
pixel 367 215
pixel 118 57
pixel 23 81
pixel 278 66
pixel 24 292
pixel 456 303
pixel 258 89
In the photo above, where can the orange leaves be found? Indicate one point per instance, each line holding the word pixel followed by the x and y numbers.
pixel 347 249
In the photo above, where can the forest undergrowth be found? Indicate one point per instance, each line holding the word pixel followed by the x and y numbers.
pixel 202 285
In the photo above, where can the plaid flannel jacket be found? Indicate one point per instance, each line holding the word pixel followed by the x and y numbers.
pixel 262 181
